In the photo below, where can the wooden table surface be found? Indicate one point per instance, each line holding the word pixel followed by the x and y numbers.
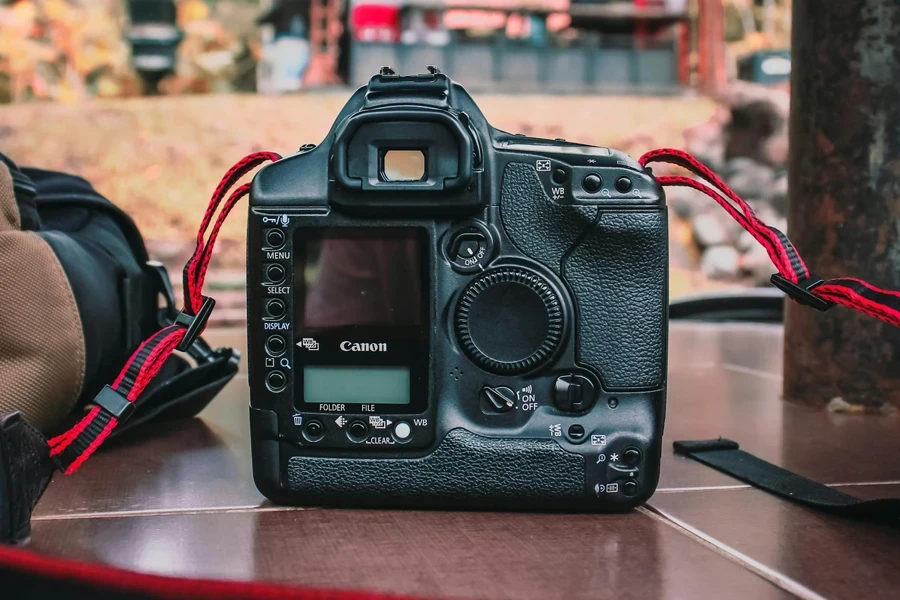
pixel 180 500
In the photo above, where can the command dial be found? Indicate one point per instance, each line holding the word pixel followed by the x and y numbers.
pixel 509 320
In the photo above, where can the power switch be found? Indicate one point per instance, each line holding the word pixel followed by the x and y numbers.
pixel 467 245
pixel 574 393
pixel 498 399
pixel 469 248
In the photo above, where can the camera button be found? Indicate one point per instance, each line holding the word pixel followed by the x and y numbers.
pixel 402 431
pixel 357 431
pixel 559 176
pixel 576 433
pixel 314 430
pixel 276 345
pixel 275 238
pixel 631 456
pixel 276 381
pixel 275 274
pixel 623 184
pixel 573 393
pixel 592 183
pixel 275 308
pixel 630 488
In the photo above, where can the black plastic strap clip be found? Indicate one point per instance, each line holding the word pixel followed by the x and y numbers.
pixel 195 323
pixel 801 292
pixel 115 403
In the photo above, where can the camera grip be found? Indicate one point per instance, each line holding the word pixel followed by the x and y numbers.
pixel 538 226
pixel 619 275
pixel 465 470
pixel 615 262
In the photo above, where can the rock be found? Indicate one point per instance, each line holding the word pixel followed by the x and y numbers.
pixel 757 128
pixel 749 179
pixel 714 227
pixel 686 202
pixel 745 242
pixel 707 142
pixel 720 262
pixel 756 263
pixel 778 199
pixel 707 230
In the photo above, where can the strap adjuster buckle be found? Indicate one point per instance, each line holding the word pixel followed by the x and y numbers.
pixel 801 292
pixel 115 403
pixel 195 323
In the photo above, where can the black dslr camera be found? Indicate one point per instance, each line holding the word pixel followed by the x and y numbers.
pixel 442 314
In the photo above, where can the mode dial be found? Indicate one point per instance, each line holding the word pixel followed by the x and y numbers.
pixel 509 320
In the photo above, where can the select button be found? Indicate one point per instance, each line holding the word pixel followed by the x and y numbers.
pixel 275 274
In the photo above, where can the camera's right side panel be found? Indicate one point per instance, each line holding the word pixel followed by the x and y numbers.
pixel 612 258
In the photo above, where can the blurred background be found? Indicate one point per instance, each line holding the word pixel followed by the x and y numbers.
pixel 152 100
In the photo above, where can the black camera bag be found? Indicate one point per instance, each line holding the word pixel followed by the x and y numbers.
pixel 78 295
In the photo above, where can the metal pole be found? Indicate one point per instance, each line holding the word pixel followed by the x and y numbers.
pixel 844 213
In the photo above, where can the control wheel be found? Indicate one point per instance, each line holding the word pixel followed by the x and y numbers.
pixel 509 320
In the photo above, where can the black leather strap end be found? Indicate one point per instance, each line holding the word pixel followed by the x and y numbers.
pixel 25 471
pixel 692 447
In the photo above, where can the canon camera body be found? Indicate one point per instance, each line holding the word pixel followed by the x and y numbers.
pixel 442 314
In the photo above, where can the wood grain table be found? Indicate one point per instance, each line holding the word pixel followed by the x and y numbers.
pixel 179 499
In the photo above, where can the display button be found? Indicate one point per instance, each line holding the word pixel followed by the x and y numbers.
pixel 559 176
pixel 276 381
pixel 275 345
pixel 631 456
pixel 275 238
pixel 592 183
pixel 402 431
pixel 275 274
pixel 357 431
pixel 499 399
pixel 573 393
pixel 275 308
pixel 623 184
pixel 314 430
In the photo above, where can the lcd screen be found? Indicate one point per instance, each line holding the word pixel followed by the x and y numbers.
pixel 361 277
pixel 356 385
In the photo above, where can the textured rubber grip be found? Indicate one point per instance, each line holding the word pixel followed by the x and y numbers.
pixel 538 226
pixel 619 275
pixel 616 264
pixel 465 470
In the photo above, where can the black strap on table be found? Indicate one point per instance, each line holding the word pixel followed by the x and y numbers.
pixel 726 456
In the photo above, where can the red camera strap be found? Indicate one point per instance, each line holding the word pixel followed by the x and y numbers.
pixel 117 401
pixel 793 276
